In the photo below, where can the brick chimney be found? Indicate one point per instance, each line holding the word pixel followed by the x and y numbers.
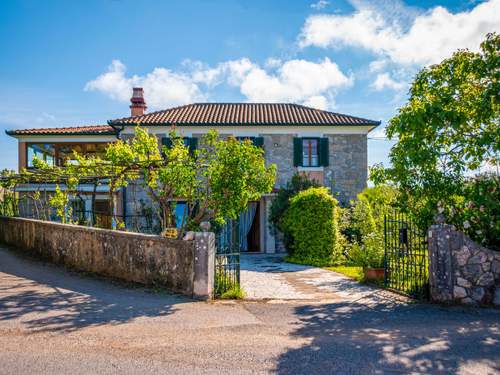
pixel 138 106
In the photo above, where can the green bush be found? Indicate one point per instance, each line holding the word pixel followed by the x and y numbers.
pixel 477 212
pixel 363 226
pixel 281 203
pixel 312 222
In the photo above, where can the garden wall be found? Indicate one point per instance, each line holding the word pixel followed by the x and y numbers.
pixel 184 267
pixel 461 270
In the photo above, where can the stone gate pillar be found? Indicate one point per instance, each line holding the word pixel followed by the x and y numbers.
pixel 442 240
pixel 204 264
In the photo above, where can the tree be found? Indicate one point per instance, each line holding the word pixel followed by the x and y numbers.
pixel 216 181
pixel 449 127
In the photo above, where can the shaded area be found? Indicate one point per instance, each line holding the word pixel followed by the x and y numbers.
pixel 389 337
pixel 49 298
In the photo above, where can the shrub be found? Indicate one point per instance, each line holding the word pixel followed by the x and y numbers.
pixel 312 222
pixel 363 226
pixel 281 202
pixel 477 213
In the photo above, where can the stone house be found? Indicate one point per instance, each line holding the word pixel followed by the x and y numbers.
pixel 326 146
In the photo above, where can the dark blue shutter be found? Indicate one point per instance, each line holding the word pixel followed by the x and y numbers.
pixel 258 141
pixel 297 152
pixel 193 145
pixel 167 142
pixel 323 152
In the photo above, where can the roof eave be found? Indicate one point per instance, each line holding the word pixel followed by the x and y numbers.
pixel 14 134
pixel 113 124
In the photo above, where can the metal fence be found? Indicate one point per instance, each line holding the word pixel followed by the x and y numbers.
pixel 227 258
pixel 75 213
pixel 406 262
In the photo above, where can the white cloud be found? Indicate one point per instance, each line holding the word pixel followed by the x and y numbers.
pixel 273 63
pixel 320 4
pixel 384 81
pixel 162 87
pixel 298 81
pixel 425 38
pixel 113 82
pixel 318 101
pixel 377 65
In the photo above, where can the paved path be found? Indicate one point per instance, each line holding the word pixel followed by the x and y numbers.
pixel 267 276
pixel 57 322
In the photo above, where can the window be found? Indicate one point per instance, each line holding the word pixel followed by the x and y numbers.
pixel 65 151
pixel 43 151
pixel 256 141
pixel 191 143
pixel 179 213
pixel 60 153
pixel 310 152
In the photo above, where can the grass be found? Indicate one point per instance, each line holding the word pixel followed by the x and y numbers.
pixel 235 292
pixel 353 272
pixel 226 287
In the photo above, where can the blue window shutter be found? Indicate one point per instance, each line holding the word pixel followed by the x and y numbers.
pixel 258 141
pixel 193 145
pixel 167 142
pixel 324 155
pixel 297 152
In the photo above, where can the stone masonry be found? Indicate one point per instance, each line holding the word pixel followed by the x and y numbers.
pixel 346 175
pixel 462 271
pixel 279 150
pixel 347 171
pixel 185 267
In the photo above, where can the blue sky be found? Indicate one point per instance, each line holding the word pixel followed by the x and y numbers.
pixel 73 62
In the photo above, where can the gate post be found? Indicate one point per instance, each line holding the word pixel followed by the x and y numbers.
pixel 204 263
pixel 443 239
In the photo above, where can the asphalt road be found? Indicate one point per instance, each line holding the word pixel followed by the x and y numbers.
pixel 57 322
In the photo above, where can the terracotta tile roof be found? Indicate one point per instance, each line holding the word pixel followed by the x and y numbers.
pixel 243 114
pixel 75 130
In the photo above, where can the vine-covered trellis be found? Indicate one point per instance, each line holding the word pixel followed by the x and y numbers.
pixel 214 182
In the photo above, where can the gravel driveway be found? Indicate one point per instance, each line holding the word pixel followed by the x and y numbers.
pixel 57 322
pixel 267 276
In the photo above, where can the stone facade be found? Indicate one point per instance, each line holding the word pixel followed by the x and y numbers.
pixel 279 150
pixel 462 271
pixel 185 267
pixel 347 171
pixel 346 175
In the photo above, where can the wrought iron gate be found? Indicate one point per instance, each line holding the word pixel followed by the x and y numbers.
pixel 406 260
pixel 227 258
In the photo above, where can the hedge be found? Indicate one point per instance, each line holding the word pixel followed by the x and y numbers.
pixel 312 221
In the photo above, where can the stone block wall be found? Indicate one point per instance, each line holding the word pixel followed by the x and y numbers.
pixel 462 271
pixel 347 171
pixel 279 150
pixel 181 266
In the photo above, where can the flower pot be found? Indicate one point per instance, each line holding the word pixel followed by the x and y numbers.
pixel 169 233
pixel 374 273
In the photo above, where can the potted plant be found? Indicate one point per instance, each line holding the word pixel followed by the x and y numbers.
pixel 373 266
pixel 370 256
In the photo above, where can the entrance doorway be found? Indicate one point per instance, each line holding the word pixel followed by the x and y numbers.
pixel 253 236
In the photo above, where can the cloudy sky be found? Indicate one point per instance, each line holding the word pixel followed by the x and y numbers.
pixel 74 62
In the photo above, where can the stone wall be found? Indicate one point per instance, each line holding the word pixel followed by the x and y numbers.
pixel 461 271
pixel 279 150
pixel 184 267
pixel 347 171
